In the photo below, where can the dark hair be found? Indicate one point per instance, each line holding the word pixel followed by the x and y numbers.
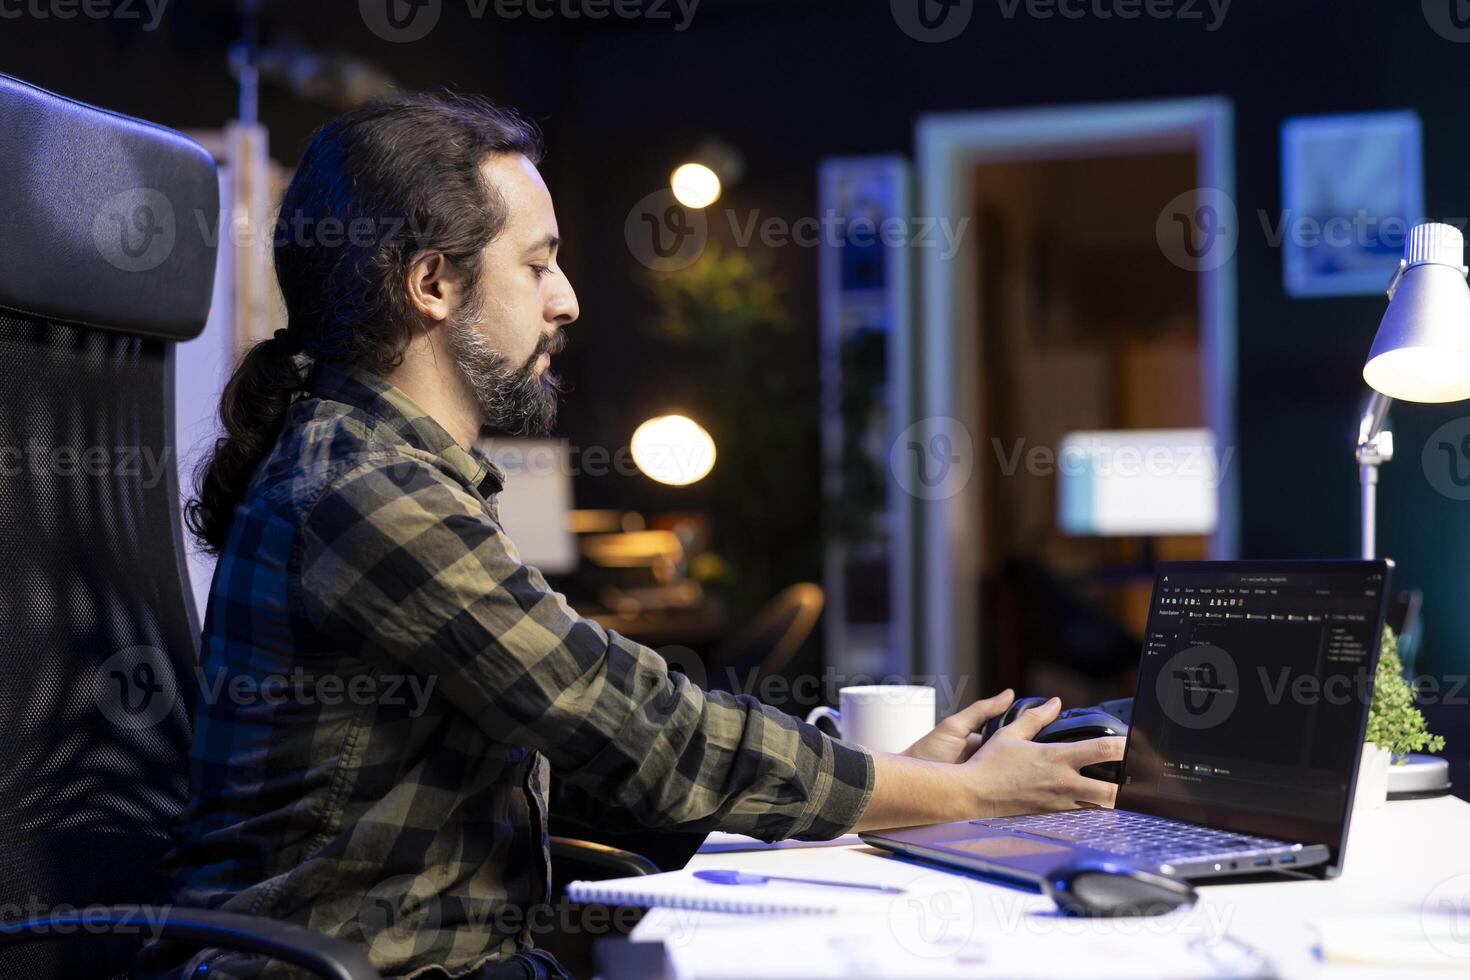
pixel 377 186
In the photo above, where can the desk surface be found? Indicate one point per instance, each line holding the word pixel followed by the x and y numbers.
pixel 1409 869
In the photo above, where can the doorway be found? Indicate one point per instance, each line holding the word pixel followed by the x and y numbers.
pixel 1059 310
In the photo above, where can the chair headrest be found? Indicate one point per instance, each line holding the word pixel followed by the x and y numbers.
pixel 105 221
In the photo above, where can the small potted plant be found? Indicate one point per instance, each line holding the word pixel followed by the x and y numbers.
pixel 1395 726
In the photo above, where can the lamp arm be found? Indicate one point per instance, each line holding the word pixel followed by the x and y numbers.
pixel 1375 447
pixel 1371 424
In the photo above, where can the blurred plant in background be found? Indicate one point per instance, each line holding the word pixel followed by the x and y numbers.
pixel 754 394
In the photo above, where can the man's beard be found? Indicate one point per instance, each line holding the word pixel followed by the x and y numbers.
pixel 514 401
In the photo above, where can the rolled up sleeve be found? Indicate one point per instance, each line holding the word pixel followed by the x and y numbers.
pixel 409 565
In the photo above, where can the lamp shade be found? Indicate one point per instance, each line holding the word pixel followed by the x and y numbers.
pixel 1422 350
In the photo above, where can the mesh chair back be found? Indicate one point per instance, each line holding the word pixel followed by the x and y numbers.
pixel 102 269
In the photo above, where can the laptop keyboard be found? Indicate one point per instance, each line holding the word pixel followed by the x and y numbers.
pixel 1139 836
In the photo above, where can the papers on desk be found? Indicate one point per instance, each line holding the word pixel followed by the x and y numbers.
pixel 1139 956
pixel 701 946
pixel 941 925
pixel 1434 939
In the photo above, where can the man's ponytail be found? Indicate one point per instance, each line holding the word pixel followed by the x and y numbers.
pixel 252 413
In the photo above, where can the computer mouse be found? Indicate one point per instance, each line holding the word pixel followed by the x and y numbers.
pixel 1098 887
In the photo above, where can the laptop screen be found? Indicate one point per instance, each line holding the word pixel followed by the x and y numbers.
pixel 1253 695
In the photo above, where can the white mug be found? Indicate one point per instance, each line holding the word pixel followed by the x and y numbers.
pixel 881 717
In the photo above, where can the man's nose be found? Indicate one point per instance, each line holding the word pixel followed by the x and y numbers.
pixel 563 306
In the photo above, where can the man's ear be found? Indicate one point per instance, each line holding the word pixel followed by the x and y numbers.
pixel 434 285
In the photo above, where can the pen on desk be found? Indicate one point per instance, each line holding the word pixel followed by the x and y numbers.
pixel 723 877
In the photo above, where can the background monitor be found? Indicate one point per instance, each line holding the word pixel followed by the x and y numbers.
pixel 1138 482
pixel 536 503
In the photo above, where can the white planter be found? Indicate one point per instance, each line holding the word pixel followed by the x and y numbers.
pixel 1372 791
pixel 1370 804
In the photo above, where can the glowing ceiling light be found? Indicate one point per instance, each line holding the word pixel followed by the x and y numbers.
pixel 695 185
pixel 674 450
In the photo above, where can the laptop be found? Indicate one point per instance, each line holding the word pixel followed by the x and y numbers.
pixel 1247 727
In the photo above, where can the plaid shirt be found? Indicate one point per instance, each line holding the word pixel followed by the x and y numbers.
pixel 385 686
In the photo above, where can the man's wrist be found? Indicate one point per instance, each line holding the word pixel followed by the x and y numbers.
pixel 909 791
pixel 969 798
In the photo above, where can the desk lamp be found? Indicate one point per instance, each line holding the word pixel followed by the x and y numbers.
pixel 1420 354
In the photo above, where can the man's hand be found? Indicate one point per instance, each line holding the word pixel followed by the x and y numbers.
pixel 944 777
pixel 957 737
pixel 1017 775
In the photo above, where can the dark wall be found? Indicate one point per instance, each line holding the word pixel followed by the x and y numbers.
pixel 790 83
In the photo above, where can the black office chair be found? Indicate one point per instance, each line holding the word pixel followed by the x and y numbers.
pixel 104 266
pixel 764 646
pixel 106 261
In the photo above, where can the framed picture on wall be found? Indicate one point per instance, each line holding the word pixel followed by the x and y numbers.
pixel 1351 187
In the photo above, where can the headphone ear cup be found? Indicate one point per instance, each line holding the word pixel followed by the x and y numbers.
pixel 1020 705
pixel 1012 713
pixel 990 727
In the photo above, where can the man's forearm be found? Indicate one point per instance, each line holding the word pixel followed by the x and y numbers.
pixel 1009 773
pixel 909 791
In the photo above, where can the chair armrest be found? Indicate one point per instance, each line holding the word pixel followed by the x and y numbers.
pixel 284 941
pixel 601 856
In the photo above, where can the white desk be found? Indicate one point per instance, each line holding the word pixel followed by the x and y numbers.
pixel 1405 870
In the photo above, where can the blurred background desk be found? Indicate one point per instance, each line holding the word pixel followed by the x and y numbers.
pixel 698 624
pixel 954 925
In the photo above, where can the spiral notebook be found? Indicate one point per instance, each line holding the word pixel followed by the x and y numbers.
pixel 681 890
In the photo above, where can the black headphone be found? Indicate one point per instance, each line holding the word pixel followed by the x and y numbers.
pixel 1011 714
